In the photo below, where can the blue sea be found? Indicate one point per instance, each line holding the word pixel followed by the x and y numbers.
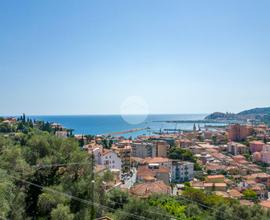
pixel 104 124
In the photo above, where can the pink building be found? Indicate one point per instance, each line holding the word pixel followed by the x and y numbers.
pixel 265 156
pixel 256 146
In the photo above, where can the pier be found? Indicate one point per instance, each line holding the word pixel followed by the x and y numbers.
pixel 126 131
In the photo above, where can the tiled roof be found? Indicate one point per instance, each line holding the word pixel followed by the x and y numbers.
pixel 265 204
pixel 156 160
pixel 146 189
pixel 215 176
pixel 234 193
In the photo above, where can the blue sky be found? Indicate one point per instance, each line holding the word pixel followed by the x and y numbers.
pixel 88 57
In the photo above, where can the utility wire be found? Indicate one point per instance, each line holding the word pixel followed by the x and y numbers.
pixel 39 166
pixel 75 198
pixel 71 164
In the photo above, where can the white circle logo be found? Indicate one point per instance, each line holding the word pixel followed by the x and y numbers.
pixel 134 110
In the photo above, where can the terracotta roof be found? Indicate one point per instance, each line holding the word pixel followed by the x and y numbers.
pixel 156 160
pixel 213 167
pixel 242 161
pixel 144 171
pixel 149 178
pixel 262 175
pixel 251 182
pixel 106 151
pixel 238 157
pixel 163 170
pixel 218 156
pixel 215 176
pixel 235 193
pixel 215 184
pixel 146 189
pixel 265 204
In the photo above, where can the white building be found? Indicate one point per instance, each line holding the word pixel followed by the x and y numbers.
pixel 236 148
pixel 110 159
pixel 61 134
pixel 105 157
pixel 182 171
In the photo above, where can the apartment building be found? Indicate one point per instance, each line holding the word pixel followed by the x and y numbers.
pixel 237 148
pixel 182 171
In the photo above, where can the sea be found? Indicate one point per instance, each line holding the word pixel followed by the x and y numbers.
pixel 107 124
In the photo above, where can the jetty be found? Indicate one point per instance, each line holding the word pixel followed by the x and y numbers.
pixel 126 131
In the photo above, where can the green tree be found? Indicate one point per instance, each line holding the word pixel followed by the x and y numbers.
pixel 117 199
pixel 137 207
pixel 61 212
pixel 6 194
pixel 49 200
pixel 181 154
pixel 250 194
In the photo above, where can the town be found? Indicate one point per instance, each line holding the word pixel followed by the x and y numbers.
pixel 232 162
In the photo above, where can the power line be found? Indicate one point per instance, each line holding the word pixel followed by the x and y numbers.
pixel 59 165
pixel 87 163
pixel 70 164
pixel 75 198
pixel 92 203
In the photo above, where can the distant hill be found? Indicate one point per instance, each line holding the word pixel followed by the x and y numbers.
pixel 220 116
pixel 260 114
pixel 256 111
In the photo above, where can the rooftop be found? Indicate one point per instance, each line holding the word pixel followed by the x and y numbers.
pixel 146 189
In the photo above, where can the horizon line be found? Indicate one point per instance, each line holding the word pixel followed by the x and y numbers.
pixel 101 114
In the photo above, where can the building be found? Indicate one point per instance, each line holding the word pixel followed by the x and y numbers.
pixel 153 171
pixel 105 157
pixel 237 132
pixel 144 190
pixel 110 159
pixel 236 148
pixel 257 156
pixel 61 134
pixel 265 204
pixel 184 143
pixel 265 156
pixel 256 146
pixel 215 179
pixel 215 186
pixel 161 161
pixel 143 149
pixel 182 171
pixel 261 156
pixel 161 148
pixel 124 152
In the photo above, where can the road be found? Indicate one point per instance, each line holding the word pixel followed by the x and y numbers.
pixel 131 181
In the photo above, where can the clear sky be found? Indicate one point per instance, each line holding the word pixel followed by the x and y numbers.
pixel 88 57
